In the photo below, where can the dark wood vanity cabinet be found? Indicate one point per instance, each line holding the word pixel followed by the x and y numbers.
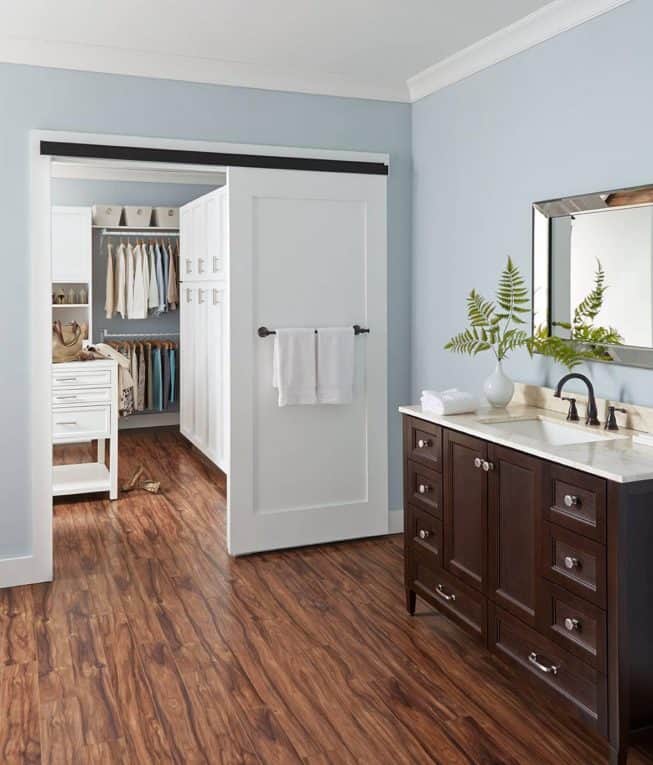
pixel 550 567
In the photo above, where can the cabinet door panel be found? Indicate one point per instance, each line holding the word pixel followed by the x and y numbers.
pixel 71 244
pixel 514 499
pixel 201 367
pixel 465 508
pixel 216 373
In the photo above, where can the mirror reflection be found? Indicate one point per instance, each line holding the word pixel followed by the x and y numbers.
pixel 593 274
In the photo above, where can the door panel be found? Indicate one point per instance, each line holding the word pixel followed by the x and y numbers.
pixel 187 361
pixel 515 498
pixel 201 377
pixel 306 250
pixel 71 244
pixel 465 508
pixel 216 373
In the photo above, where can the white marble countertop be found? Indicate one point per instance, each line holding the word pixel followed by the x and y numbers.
pixel 617 457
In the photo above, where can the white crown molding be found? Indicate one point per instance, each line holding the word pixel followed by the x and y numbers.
pixel 543 24
pixel 115 60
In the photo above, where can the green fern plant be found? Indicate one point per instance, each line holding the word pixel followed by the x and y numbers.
pixel 495 325
pixel 585 342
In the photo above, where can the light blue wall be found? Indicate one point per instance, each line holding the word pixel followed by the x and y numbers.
pixel 32 97
pixel 572 115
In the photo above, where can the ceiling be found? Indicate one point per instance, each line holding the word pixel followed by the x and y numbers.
pixel 365 48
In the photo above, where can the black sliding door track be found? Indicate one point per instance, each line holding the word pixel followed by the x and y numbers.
pixel 190 157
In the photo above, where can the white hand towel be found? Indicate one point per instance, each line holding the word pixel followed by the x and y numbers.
pixel 451 401
pixel 293 366
pixel 335 365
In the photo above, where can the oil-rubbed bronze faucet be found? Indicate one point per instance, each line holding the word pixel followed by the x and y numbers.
pixel 591 415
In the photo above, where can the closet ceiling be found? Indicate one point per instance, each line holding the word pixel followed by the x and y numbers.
pixel 367 48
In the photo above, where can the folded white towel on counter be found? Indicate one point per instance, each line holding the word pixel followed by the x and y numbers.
pixel 450 401
pixel 294 366
pixel 335 365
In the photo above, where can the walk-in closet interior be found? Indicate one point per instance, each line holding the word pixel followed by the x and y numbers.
pixel 139 317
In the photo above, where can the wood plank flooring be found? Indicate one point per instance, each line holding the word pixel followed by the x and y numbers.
pixel 153 646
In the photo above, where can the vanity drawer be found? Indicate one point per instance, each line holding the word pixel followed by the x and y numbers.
pixel 81 396
pixel 574 562
pixel 576 501
pixel 423 442
pixel 579 686
pixel 461 603
pixel 424 488
pixel 572 623
pixel 81 423
pixel 424 532
pixel 97 378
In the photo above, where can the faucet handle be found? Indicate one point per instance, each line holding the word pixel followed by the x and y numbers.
pixel 611 422
pixel 572 414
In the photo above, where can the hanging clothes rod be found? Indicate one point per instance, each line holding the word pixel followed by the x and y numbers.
pixel 139 335
pixel 152 233
pixel 265 332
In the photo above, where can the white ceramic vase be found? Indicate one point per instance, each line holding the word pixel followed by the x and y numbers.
pixel 498 388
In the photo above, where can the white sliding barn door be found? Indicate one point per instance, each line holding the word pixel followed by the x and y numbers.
pixel 306 249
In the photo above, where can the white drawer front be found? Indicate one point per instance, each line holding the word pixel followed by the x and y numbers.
pixel 81 396
pixel 91 379
pixel 71 423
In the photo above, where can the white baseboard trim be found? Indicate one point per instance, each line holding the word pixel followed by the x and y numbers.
pixel 396 521
pixel 23 569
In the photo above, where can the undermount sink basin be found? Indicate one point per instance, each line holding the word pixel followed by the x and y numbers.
pixel 548 431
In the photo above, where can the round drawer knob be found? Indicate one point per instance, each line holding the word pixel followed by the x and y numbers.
pixel 572 625
pixel 478 462
pixel 571 563
pixel 424 534
pixel 423 443
pixel 424 488
pixel 487 466
pixel 571 500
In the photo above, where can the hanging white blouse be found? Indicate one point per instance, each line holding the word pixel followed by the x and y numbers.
pixel 129 288
pixel 139 306
pixel 153 291
pixel 109 302
pixel 120 290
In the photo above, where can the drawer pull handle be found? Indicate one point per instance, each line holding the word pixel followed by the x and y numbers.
pixel 444 595
pixel 571 563
pixel 65 398
pixel 70 422
pixel 478 462
pixel 423 443
pixel 216 264
pixel 424 534
pixel 571 500
pixel 189 265
pixel 487 466
pixel 423 488
pixel 200 265
pixel 216 296
pixel 200 296
pixel 65 379
pixel 188 295
pixel 572 625
pixel 550 669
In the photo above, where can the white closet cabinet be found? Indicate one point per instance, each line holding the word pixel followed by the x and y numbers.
pixel 203 230
pixel 71 245
pixel 204 367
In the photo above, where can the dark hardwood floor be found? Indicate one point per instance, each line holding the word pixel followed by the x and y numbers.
pixel 152 645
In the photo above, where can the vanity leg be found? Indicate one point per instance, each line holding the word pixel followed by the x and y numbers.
pixel 411 600
pixel 113 467
pixel 618 756
pixel 101 443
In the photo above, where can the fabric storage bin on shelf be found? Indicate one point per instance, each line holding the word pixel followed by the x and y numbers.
pixel 166 217
pixel 137 216
pixel 107 215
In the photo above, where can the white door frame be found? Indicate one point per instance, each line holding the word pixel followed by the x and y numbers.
pixel 37 564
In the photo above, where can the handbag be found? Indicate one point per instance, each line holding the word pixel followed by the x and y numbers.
pixel 67 341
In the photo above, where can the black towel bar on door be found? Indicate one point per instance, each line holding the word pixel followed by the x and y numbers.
pixel 265 332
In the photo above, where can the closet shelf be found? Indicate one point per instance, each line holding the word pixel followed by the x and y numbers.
pixel 70 305
pixel 148 229
pixel 85 478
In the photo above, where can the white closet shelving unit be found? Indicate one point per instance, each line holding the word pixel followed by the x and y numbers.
pixel 204 325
